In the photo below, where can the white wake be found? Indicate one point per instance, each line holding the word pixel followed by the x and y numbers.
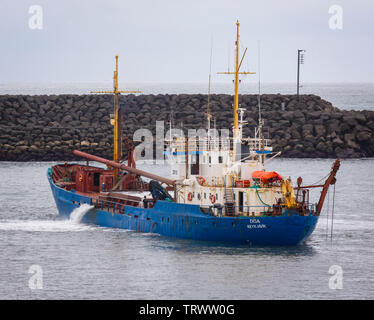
pixel 78 213
pixel 71 225
pixel 42 226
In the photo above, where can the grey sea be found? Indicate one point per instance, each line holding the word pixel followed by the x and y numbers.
pixel 78 261
pixel 348 96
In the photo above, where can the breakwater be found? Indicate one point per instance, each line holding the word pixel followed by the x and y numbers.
pixel 50 127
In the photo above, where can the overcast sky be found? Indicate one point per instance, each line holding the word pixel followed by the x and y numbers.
pixel 170 40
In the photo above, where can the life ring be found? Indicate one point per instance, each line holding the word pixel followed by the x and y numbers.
pixel 212 198
pixel 201 180
pixel 80 177
pixel 189 197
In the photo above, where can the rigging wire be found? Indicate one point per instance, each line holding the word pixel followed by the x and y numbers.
pixel 324 178
pixel 241 45
pixel 332 213
pixel 328 211
pixel 228 58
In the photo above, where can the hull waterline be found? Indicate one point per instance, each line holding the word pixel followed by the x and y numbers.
pixel 189 222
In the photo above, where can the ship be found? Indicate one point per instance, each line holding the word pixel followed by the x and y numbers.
pixel 215 191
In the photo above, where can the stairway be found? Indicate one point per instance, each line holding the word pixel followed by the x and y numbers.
pixel 229 201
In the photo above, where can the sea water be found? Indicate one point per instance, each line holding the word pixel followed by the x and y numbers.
pixel 349 96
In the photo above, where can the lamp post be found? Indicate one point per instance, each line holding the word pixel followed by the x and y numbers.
pixel 300 60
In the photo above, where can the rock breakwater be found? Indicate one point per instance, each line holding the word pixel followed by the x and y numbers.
pixel 49 127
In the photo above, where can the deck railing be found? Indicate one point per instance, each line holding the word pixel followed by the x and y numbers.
pixel 251 211
pixel 115 207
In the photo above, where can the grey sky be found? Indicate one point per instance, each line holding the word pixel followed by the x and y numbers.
pixel 169 40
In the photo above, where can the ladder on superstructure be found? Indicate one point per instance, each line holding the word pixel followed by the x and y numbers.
pixel 229 200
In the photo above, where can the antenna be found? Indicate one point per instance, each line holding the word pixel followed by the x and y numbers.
pixel 210 76
pixel 259 81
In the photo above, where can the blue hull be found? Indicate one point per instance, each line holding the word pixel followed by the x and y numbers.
pixel 188 222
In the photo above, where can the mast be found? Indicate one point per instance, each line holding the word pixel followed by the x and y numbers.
pixel 237 72
pixel 117 122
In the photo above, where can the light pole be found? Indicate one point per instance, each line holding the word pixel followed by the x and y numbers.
pixel 300 60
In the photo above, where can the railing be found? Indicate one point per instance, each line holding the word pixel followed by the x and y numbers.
pixel 116 207
pixel 256 143
pixel 302 196
pixel 238 210
pixel 201 144
pixel 252 211
pixel 111 206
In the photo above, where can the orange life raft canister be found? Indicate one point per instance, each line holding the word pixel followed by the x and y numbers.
pixel 266 177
